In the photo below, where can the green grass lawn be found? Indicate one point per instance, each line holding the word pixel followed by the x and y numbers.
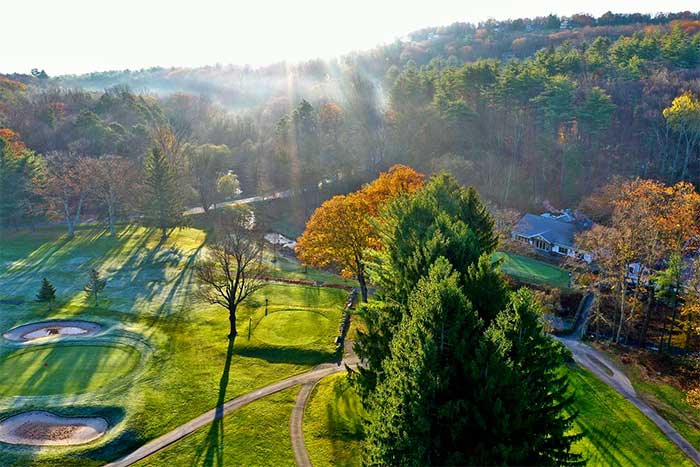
pixel 294 327
pixel 531 271
pixel 615 432
pixel 333 423
pixel 290 268
pixel 255 435
pixel 65 368
pixel 149 299
pixel 668 400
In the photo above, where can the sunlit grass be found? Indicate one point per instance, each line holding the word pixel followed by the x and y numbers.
pixel 333 423
pixel 531 271
pixel 149 296
pixel 615 432
pixel 257 434
pixel 65 368
pixel 668 400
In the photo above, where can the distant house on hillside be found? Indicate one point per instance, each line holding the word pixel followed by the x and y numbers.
pixel 554 234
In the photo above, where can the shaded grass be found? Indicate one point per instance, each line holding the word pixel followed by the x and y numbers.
pixel 257 434
pixel 615 432
pixel 149 293
pixel 531 271
pixel 333 423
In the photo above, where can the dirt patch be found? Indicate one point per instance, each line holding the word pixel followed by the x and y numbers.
pixel 39 428
pixel 56 328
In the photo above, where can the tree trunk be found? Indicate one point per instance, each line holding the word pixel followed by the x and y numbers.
pixel 232 321
pixel 110 215
pixel 363 285
pixel 673 327
pixel 71 228
pixel 647 318
pixel 69 221
pixel 622 311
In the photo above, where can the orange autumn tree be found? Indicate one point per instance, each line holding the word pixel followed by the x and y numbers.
pixel 339 232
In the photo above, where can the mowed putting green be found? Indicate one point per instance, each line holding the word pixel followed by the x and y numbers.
pixel 531 271
pixel 292 327
pixel 65 369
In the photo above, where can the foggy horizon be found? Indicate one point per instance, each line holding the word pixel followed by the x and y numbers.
pixel 250 35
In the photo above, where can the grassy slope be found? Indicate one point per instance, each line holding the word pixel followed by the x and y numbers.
pixel 333 424
pixel 255 435
pixel 667 399
pixel 291 268
pixel 531 271
pixel 615 432
pixel 65 369
pixel 149 296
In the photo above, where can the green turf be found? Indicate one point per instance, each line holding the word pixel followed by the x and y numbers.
pixel 150 296
pixel 294 327
pixel 290 268
pixel 669 401
pixel 255 435
pixel 615 432
pixel 65 369
pixel 333 423
pixel 531 271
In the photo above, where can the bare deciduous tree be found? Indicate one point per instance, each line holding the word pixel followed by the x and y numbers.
pixel 65 188
pixel 110 179
pixel 233 269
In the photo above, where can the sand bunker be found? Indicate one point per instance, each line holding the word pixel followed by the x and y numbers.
pixel 43 329
pixel 39 428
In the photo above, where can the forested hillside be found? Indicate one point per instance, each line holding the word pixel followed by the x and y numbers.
pixel 527 110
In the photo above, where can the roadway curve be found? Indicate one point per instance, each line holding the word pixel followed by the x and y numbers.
pixel 216 413
pixel 296 426
pixel 599 364
pixel 252 199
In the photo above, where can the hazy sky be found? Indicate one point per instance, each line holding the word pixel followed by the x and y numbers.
pixel 77 36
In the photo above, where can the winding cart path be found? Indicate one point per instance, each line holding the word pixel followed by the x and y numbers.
pixel 206 418
pixel 598 363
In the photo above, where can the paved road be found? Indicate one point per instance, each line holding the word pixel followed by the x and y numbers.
pixel 598 363
pixel 252 199
pixel 296 424
pixel 205 419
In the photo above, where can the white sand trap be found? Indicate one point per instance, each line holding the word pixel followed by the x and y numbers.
pixel 56 328
pixel 39 428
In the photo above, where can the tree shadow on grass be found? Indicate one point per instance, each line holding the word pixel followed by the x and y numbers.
pixel 211 452
pixel 292 355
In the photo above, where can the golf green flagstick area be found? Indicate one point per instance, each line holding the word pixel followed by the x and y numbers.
pixel 532 271
pixel 159 358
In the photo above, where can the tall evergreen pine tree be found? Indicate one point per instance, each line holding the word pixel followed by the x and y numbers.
pixel 461 372
pixel 162 202
pixel 47 293
pixel 95 285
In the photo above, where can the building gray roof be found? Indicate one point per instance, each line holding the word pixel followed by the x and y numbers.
pixel 553 230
